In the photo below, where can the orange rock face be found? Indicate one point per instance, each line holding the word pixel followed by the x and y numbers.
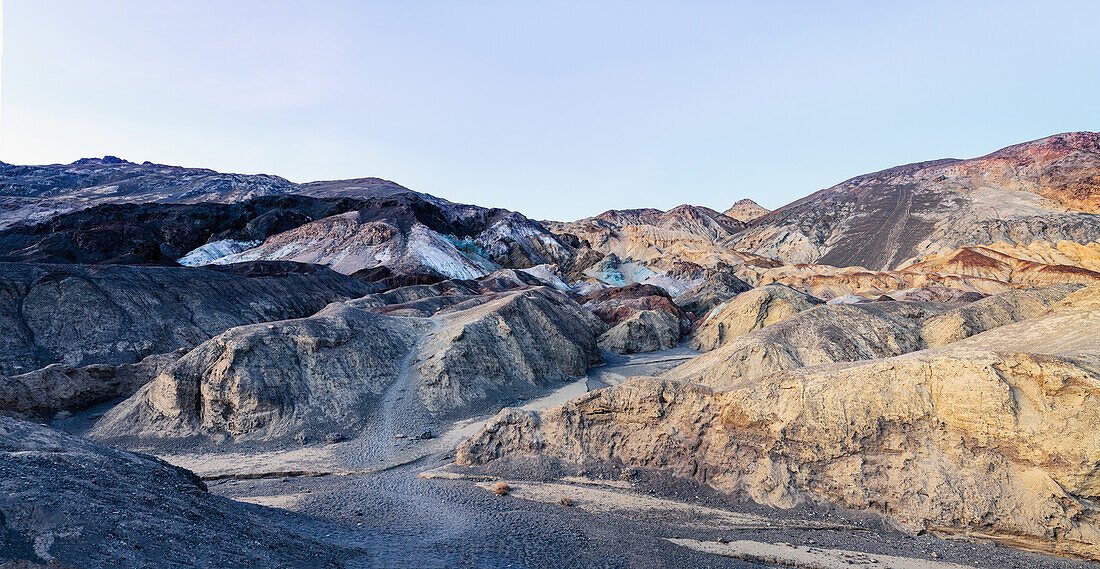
pixel 1037 264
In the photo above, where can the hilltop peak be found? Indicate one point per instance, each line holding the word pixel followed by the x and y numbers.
pixel 746 210
pixel 108 159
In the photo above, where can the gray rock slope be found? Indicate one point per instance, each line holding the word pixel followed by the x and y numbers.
pixel 331 370
pixel 92 507
pixel 272 379
pixel 855 332
pixel 61 387
pixel 992 312
pixel 82 315
pixel 645 331
pixel 505 345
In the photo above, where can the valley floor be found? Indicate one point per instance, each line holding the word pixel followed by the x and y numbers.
pixel 401 502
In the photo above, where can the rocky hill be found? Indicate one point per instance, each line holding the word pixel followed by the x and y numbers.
pixel 162 234
pixel 32 194
pixel 345 367
pixel 748 312
pixel 1045 190
pixel 991 436
pixel 1036 264
pixel 746 211
pixel 80 315
pixel 912 351
pixel 656 238
pixel 409 234
pixel 818 335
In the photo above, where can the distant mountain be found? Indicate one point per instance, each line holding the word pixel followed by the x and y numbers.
pixel 919 217
pixel 409 233
pixel 30 194
pixel 1045 190
pixel 111 177
pixel 658 238
pixel 697 220
pixel 160 233
pixel 746 210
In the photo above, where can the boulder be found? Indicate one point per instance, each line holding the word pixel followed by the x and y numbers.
pixel 63 388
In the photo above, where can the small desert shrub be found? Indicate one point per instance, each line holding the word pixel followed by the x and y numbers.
pixel 565 501
pixel 502 489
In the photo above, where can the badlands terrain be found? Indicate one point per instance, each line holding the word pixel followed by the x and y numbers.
pixel 201 369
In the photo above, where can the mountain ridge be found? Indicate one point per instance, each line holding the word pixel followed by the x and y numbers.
pixel 1043 190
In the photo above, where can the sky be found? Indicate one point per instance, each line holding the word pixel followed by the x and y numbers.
pixel 559 109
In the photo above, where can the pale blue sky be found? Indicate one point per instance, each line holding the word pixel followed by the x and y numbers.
pixel 557 109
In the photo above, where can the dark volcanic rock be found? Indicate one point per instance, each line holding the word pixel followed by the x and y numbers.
pixel 275 269
pixel 80 315
pixel 408 233
pixel 151 233
pixel 92 178
pixel 41 192
pixel 169 213
pixel 90 506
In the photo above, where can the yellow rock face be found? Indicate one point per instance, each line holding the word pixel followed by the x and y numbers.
pixel 749 311
pixel 997 435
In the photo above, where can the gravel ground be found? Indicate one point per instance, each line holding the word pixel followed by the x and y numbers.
pixel 399 520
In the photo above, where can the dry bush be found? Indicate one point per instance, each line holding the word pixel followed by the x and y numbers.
pixel 565 501
pixel 502 489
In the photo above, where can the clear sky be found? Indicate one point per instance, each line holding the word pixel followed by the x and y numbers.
pixel 557 109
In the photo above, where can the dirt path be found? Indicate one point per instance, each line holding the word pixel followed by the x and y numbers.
pixel 619 368
pixel 401 411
